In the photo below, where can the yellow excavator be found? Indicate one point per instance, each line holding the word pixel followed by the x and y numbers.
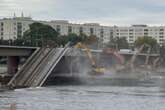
pixel 96 70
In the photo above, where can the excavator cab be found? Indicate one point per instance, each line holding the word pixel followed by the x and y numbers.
pixel 95 69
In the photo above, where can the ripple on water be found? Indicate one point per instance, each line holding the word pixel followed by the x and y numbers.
pixel 85 98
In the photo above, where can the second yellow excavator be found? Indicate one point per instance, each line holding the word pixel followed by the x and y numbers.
pixel 96 70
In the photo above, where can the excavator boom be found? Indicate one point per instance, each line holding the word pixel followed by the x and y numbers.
pixel 93 62
pixel 88 52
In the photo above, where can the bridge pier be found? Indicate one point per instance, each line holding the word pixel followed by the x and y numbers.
pixel 12 64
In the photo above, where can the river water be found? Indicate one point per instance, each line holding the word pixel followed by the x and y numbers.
pixel 119 95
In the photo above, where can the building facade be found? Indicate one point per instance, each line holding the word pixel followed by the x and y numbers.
pixel 133 32
pixel 13 28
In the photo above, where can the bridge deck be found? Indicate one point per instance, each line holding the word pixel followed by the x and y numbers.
pixel 16 50
pixel 38 67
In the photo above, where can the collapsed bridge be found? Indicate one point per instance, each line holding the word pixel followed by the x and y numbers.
pixel 38 67
pixel 41 63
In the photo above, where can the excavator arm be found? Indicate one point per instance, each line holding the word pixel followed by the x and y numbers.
pixel 92 60
pixel 88 52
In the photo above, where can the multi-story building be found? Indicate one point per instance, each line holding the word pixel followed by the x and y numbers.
pixel 12 28
pixel 133 32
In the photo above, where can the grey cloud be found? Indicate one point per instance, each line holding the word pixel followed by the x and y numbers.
pixel 102 11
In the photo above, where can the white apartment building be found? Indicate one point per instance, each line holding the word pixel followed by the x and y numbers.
pixel 12 28
pixel 133 32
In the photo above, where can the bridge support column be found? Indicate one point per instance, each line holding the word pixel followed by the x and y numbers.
pixel 12 64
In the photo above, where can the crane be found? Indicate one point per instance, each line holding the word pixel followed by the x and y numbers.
pixel 98 70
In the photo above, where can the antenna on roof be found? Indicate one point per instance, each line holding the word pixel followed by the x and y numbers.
pixel 22 15
pixel 14 15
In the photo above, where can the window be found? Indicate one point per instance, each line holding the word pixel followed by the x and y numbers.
pixel 161 33
pixel 161 36
pixel 111 33
pixel 69 29
pixel 1 33
pixel 81 30
pixel 161 29
pixel 19 29
pixel 161 40
pixel 91 31
pixel 102 33
pixel 2 23
pixel 145 33
pixel 145 29
pixel 58 28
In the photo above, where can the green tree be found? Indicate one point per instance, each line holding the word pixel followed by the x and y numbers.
pixel 40 33
pixel 146 40
pixel 119 43
pixel 149 41
pixel 74 38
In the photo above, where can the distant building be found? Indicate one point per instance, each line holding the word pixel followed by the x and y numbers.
pixel 133 32
pixel 13 28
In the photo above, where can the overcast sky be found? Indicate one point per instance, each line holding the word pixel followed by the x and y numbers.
pixel 106 12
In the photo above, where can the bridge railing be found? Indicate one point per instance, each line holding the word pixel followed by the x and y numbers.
pixel 31 43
